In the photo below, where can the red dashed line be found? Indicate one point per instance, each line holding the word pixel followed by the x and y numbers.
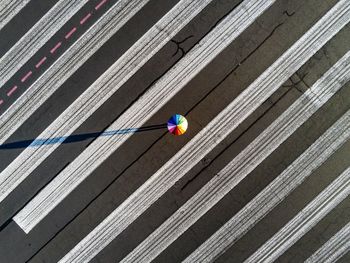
pixel 26 76
pixel 11 91
pixel 1 102
pixel 85 18
pixel 100 4
pixel 55 47
pixel 53 50
pixel 70 33
pixel 40 62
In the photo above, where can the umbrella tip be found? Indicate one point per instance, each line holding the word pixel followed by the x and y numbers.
pixel 177 124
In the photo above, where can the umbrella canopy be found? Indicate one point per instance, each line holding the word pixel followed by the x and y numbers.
pixel 177 124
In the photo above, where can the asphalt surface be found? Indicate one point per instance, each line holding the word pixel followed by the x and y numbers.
pixel 140 160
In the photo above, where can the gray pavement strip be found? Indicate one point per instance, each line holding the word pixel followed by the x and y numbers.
pixel 67 64
pixel 108 83
pixel 274 193
pixel 36 37
pixel 306 219
pixel 205 141
pixel 254 154
pixel 334 248
pixel 172 82
pixel 10 8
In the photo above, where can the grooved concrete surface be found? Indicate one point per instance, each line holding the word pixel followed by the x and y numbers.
pixel 144 153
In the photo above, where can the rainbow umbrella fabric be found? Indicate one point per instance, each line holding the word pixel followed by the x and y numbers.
pixel 177 124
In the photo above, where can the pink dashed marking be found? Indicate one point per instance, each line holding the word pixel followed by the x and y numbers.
pixel 1 102
pixel 40 62
pixel 100 4
pixel 53 50
pixel 26 76
pixel 55 47
pixel 85 18
pixel 11 91
pixel 70 33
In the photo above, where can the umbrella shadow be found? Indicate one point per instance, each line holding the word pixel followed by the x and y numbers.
pixel 77 137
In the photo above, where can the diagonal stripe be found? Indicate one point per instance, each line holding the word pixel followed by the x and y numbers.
pixel 101 90
pixel 201 144
pixel 10 8
pixel 100 4
pixel 334 248
pixel 243 164
pixel 307 218
pixel 36 37
pixel 68 63
pixel 140 112
pixel 274 193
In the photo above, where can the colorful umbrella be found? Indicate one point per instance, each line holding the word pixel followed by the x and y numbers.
pixel 177 124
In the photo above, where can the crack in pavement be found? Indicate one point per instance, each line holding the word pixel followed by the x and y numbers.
pixel 295 84
pixel 288 14
pixel 178 46
pixel 229 74
pixel 164 134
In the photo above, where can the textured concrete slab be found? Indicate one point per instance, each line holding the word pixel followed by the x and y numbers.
pixel 116 177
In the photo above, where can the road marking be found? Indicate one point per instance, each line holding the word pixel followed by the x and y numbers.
pixel 11 91
pixel 244 163
pixel 307 218
pixel 108 83
pixel 334 248
pixel 274 193
pixel 99 5
pixel 60 43
pixel 139 113
pixel 36 37
pixel 70 33
pixel 40 62
pixel 26 76
pixel 53 50
pixel 65 66
pixel 1 102
pixel 9 9
pixel 85 18
pixel 212 134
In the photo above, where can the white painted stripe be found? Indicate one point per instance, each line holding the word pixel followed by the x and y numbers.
pixel 219 128
pixel 36 37
pixel 83 107
pixel 255 153
pixel 334 248
pixel 67 64
pixel 10 8
pixel 139 113
pixel 274 193
pixel 306 219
